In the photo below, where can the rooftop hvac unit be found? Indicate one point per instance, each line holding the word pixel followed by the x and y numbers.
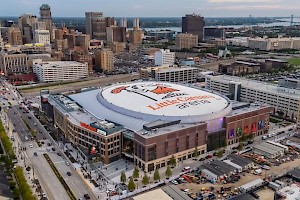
pixel 102 123
pixel 109 125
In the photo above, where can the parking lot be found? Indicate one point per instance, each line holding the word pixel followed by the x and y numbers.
pixel 198 188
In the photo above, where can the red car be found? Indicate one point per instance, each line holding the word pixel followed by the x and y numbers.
pixel 208 156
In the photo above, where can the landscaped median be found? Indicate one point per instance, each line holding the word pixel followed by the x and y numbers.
pixel 32 132
pixel 60 178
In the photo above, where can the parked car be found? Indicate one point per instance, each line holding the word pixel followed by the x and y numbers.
pixel 266 167
pixel 174 182
pixel 201 159
pixel 265 137
pixel 69 173
pixel 30 146
pixel 187 168
pixel 208 156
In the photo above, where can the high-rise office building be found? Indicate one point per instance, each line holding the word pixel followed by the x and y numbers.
pixel 39 26
pixel 45 13
pixel 135 36
pixel 164 57
pixel 58 34
pixel 104 60
pixel 25 23
pixel 42 37
pixel 71 40
pixel 14 36
pixel 136 23
pixel 1 41
pixel 60 45
pixel 116 34
pixel 193 24
pixel 123 23
pixel 186 41
pixel 96 23
pixel 83 41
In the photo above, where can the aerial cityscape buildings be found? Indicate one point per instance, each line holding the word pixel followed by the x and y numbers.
pixel 170 108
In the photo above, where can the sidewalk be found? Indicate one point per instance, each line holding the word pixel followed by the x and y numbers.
pixel 20 158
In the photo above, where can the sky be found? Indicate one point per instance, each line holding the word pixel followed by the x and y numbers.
pixel 155 8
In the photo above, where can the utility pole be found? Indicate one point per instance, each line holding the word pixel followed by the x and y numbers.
pixel 292 20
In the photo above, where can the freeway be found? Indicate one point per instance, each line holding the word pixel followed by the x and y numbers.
pixel 102 81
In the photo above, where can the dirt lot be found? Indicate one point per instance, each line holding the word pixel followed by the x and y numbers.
pixel 244 179
pixel 266 194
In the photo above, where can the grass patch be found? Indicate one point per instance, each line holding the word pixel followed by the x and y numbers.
pixel 275 120
pixel 48 85
pixel 294 61
pixel 60 178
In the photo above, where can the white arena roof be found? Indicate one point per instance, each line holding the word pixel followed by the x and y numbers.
pixel 151 101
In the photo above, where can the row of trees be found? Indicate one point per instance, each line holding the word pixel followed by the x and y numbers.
pixel 23 187
pixel 145 180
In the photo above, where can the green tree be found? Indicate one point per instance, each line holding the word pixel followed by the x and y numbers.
pixel 196 153
pixel 173 161
pixel 136 172
pixel 156 175
pixel 131 185
pixel 220 153
pixel 243 138
pixel 168 172
pixel 123 177
pixel 145 180
pixel 240 147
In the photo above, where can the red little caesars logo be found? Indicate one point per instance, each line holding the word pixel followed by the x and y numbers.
pixel 151 91
pixel 143 90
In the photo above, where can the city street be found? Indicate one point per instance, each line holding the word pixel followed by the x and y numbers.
pixel 33 154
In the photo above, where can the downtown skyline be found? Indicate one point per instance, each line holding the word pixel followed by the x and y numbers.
pixel 156 8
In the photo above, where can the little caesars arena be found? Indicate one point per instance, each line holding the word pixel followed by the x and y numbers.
pixel 157 120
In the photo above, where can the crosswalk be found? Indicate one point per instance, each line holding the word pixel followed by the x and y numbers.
pixel 39 151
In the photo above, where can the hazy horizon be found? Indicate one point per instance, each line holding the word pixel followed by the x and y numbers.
pixel 155 8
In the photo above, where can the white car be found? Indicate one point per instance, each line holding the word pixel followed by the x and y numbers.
pixel 30 146
pixel 174 182
pixel 26 138
pixel 266 167
pixel 265 137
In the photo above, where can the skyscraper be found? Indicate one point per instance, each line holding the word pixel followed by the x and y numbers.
pixel 45 13
pixel 115 34
pixel 104 60
pixel 96 23
pixel 123 23
pixel 193 24
pixel 25 23
pixel 42 37
pixel 135 36
pixel 136 23
pixel 1 42
pixel 14 36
